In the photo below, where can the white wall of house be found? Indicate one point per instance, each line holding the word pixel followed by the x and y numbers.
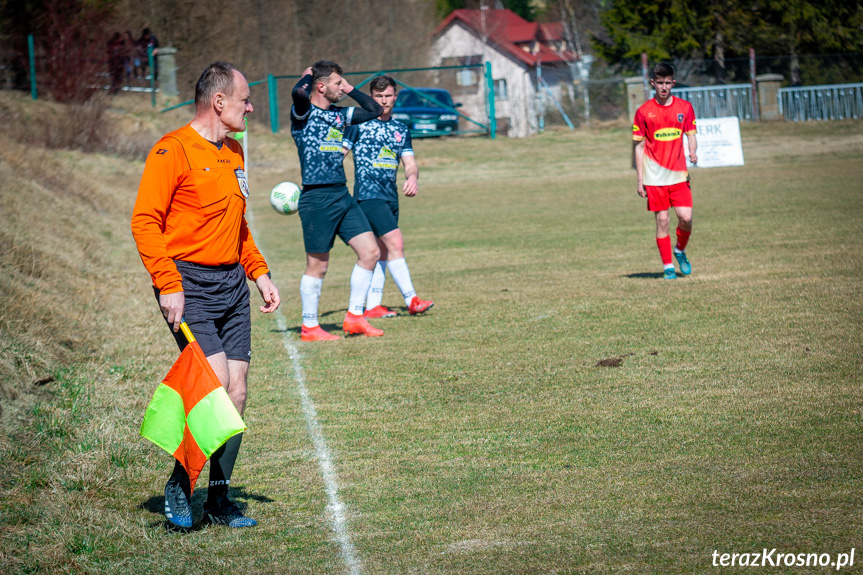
pixel 518 108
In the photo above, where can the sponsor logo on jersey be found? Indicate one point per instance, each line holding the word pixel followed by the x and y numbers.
pixel 635 127
pixel 330 148
pixel 161 152
pixel 386 154
pixel 334 134
pixel 667 134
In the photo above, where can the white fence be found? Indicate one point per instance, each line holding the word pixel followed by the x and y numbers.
pixel 828 102
pixel 719 101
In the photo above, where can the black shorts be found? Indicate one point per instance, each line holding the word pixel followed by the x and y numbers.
pixel 383 215
pixel 326 211
pixel 217 309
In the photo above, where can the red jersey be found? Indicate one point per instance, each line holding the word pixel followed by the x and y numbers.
pixel 191 205
pixel 663 127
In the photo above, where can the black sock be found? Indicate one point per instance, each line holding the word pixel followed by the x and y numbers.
pixel 180 476
pixel 221 468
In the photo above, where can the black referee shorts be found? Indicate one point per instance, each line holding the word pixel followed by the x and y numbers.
pixel 217 309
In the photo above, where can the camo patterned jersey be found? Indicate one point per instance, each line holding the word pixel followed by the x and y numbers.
pixel 378 147
pixel 318 136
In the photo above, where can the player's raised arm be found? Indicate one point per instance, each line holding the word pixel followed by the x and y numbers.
pixel 370 109
pixel 301 93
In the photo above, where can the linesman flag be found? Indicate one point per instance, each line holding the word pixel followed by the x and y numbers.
pixel 191 415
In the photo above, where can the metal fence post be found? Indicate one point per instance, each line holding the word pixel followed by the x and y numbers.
pixel 756 114
pixel 151 64
pixel 274 103
pixel 243 138
pixel 645 76
pixel 492 123
pixel 540 96
pixel 32 50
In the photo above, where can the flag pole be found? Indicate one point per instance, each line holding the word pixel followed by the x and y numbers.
pixel 184 327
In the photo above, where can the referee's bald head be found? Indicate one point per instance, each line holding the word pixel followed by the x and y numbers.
pixel 218 77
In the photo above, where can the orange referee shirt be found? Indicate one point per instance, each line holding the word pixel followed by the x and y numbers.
pixel 190 206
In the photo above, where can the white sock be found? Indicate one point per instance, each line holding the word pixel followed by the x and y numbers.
pixel 402 276
pixel 310 293
pixel 376 292
pixel 361 280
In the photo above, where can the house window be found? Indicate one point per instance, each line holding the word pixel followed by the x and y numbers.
pixel 500 91
pixel 465 77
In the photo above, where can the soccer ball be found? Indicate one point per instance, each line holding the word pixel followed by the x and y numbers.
pixel 285 198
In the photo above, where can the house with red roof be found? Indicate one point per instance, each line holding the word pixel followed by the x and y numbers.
pixel 530 61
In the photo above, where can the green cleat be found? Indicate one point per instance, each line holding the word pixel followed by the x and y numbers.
pixel 685 267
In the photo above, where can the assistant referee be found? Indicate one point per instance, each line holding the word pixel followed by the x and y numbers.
pixel 189 226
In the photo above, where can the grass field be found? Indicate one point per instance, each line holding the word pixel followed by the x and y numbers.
pixel 484 437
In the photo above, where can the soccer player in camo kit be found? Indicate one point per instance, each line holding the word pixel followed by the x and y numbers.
pixel 325 207
pixel 660 165
pixel 378 146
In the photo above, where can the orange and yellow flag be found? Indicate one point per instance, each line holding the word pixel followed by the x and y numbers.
pixel 191 415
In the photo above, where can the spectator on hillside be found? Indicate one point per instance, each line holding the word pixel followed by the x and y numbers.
pixel 130 55
pixel 146 42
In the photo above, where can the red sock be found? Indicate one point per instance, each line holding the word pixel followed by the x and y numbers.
pixel 664 245
pixel 682 239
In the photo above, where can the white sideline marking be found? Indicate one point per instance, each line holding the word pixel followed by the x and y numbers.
pixel 335 507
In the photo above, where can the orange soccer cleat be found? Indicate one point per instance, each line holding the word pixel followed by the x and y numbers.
pixel 379 311
pixel 357 325
pixel 316 333
pixel 419 306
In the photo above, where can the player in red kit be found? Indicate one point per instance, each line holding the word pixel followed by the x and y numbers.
pixel 660 165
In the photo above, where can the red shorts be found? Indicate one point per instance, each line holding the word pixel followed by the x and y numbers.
pixel 660 198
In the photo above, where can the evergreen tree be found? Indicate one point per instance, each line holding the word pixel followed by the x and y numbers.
pixel 523 8
pixel 676 30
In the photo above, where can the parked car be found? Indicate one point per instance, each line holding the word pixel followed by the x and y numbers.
pixel 426 117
